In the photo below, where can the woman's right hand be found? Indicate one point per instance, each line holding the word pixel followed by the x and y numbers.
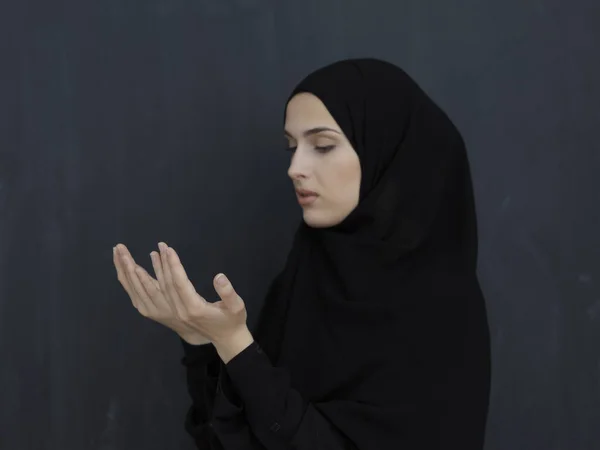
pixel 163 313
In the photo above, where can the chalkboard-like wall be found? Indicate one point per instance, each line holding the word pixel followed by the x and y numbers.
pixel 136 122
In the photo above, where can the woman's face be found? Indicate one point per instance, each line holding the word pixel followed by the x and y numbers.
pixel 323 161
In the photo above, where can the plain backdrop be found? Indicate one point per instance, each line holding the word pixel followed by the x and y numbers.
pixel 141 121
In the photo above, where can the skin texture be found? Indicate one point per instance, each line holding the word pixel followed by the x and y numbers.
pixel 172 301
pixel 324 162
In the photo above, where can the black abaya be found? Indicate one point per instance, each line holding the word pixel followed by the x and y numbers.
pixel 374 335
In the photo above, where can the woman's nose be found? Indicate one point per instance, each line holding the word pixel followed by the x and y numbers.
pixel 299 166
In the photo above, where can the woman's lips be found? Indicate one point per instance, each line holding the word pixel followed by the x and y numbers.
pixel 305 200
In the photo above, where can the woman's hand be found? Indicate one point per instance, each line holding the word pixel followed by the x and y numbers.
pixel 172 300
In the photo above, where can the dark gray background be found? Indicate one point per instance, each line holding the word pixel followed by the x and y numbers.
pixel 140 121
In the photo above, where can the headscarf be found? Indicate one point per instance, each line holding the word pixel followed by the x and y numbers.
pixel 380 319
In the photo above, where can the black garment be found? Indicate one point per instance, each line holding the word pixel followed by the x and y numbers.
pixel 375 334
pixel 218 418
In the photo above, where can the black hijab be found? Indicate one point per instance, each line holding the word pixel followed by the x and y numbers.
pixel 380 319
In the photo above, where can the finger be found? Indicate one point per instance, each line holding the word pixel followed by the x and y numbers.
pixel 167 283
pixel 183 285
pixel 122 274
pixel 151 293
pixel 158 270
pixel 157 263
pixel 124 251
pixel 227 293
pixel 144 301
pixel 150 277
pixel 160 284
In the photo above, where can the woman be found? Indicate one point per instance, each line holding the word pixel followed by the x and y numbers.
pixel 374 335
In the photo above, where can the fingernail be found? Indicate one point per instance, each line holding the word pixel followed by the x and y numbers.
pixel 114 250
pixel 221 280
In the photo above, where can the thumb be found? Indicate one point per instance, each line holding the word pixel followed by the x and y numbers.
pixel 227 293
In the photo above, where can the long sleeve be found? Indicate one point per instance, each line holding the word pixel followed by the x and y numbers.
pixel 202 365
pixel 278 415
pixel 216 419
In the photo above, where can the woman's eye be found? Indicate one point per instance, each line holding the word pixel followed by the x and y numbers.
pixel 325 148
pixel 320 149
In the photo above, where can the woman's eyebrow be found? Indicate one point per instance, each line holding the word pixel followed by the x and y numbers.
pixel 313 131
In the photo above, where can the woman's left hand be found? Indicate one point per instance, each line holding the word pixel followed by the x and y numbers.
pixel 222 322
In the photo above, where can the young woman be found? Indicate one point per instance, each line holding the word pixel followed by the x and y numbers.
pixel 374 335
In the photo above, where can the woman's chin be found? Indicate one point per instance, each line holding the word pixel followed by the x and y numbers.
pixel 315 220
